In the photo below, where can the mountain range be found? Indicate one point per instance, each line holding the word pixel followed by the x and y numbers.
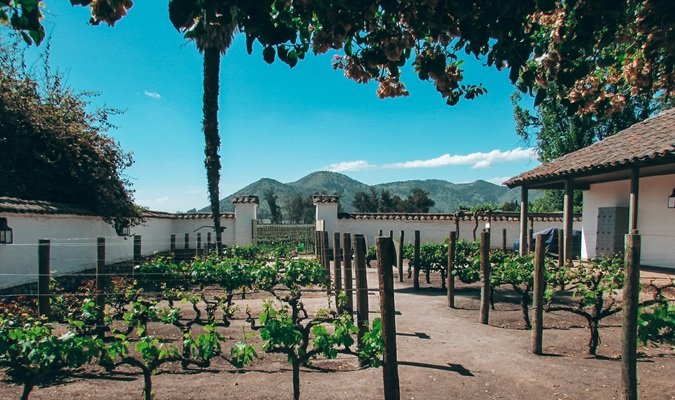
pixel 448 196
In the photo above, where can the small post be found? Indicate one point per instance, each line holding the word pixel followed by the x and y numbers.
pixel 199 244
pixel 317 241
pixel 187 241
pixel 416 262
pixel 100 280
pixel 484 277
pixel 172 246
pixel 347 260
pixel 208 242
pixel 631 293
pixel 399 262
pixel 452 245
pixel 326 260
pixel 137 250
pixel 388 315
pixel 361 288
pixel 44 275
pixel 561 256
pixel 504 244
pixel 337 266
pixel 529 240
pixel 538 296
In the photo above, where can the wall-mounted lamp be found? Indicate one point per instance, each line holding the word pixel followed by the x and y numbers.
pixel 6 236
pixel 671 200
pixel 487 226
pixel 126 231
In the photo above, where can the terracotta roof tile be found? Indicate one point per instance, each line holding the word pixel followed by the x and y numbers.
pixel 651 141
pixel 499 216
pixel 245 200
pixel 21 206
pixel 326 198
pixel 15 205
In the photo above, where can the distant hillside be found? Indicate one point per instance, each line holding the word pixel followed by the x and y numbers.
pixel 448 196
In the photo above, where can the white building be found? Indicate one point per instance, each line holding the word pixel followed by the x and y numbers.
pixel 628 183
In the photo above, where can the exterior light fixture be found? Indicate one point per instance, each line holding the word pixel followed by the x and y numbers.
pixel 6 236
pixel 487 226
pixel 671 200
pixel 126 231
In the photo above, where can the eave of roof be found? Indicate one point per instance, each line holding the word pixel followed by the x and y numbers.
pixel 650 143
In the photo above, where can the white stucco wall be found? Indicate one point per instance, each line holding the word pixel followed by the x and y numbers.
pixel 326 216
pixel 656 222
pixel 244 214
pixel 73 242
pixel 438 231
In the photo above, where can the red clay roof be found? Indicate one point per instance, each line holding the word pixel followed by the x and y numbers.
pixel 649 142
pixel 326 198
pixel 245 200
pixel 21 206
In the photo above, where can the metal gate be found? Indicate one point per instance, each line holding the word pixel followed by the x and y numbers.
pixel 299 237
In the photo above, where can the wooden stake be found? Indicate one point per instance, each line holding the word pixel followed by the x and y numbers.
pixel 388 314
pixel 484 277
pixel 326 260
pixel 100 279
pixel 416 262
pixel 538 296
pixel 399 262
pixel 347 258
pixel 631 294
pixel 337 266
pixel 561 256
pixel 361 288
pixel 452 245
pixel 44 275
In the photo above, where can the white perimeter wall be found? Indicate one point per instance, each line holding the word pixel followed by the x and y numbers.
pixel 73 242
pixel 656 222
pixel 438 231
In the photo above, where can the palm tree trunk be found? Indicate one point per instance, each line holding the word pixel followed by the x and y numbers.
pixel 211 136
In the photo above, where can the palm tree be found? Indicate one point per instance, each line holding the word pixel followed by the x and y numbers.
pixel 212 30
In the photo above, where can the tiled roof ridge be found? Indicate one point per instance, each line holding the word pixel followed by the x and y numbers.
pixel 245 200
pixel 608 153
pixel 495 216
pixel 23 206
pixel 326 198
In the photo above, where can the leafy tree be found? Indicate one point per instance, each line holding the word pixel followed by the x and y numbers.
pixel 512 205
pixel 366 202
pixel 300 210
pixel 418 201
pixel 275 210
pixel 389 203
pixel 53 149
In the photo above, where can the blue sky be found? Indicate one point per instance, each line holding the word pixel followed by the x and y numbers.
pixel 275 122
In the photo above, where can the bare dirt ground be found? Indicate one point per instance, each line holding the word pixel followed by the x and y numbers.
pixel 443 353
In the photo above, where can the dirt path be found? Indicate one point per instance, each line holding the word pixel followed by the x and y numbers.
pixel 443 354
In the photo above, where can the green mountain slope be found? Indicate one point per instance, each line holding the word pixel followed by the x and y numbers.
pixel 448 196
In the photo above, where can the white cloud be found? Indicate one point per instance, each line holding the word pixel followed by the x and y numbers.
pixel 475 160
pixel 161 200
pixel 153 95
pixel 499 179
pixel 358 165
